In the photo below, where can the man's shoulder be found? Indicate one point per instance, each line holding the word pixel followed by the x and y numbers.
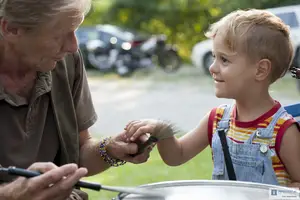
pixel 70 67
pixel 72 61
pixel 73 58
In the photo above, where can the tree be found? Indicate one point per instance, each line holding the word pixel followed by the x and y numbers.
pixel 183 21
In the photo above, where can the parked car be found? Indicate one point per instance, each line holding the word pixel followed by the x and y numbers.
pixel 201 53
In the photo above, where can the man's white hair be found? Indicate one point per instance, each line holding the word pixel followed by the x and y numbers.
pixel 32 13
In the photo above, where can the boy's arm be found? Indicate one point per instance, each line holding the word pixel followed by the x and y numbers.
pixel 178 151
pixel 290 154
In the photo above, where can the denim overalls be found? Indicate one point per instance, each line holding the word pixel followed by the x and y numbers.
pixel 251 162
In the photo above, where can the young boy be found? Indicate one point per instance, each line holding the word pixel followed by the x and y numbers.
pixel 252 49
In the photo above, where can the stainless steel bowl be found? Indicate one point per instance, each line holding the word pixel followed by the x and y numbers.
pixel 214 190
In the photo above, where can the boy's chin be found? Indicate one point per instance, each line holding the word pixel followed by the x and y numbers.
pixel 221 95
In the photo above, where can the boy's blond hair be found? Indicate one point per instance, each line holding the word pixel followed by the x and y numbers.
pixel 260 35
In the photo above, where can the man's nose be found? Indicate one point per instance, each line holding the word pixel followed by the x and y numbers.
pixel 71 45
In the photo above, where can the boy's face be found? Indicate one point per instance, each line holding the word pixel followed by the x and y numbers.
pixel 232 71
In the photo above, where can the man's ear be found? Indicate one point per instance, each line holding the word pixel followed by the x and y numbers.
pixel 263 69
pixel 8 30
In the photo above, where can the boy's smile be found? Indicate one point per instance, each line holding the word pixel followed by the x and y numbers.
pixel 217 80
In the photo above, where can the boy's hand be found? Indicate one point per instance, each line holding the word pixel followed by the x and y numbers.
pixel 157 128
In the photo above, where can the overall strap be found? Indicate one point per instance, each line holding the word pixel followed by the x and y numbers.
pixel 222 129
pixel 268 131
pixel 224 123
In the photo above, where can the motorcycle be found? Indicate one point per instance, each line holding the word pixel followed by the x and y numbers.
pixel 107 57
pixel 125 59
pixel 101 56
pixel 166 54
pixel 150 53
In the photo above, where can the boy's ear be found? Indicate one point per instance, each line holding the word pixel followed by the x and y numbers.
pixel 263 69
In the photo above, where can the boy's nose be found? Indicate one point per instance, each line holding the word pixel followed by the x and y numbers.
pixel 213 68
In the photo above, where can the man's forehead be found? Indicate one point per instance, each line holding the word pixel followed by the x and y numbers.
pixel 67 21
pixel 72 20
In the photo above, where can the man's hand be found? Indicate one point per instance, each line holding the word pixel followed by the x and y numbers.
pixel 119 148
pixel 55 183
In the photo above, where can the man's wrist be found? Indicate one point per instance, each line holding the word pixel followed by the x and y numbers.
pixel 110 146
pixel 106 148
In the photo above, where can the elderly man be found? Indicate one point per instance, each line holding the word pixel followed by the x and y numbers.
pixel 45 103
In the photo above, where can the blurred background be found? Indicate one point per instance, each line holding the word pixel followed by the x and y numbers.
pixel 150 59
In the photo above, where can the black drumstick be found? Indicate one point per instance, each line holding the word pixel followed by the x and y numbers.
pixel 145 145
pixel 88 185
pixel 29 174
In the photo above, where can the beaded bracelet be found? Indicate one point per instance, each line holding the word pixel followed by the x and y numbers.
pixel 103 153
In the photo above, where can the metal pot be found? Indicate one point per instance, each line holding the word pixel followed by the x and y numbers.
pixel 214 190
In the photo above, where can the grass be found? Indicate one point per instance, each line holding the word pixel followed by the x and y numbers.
pixel 154 170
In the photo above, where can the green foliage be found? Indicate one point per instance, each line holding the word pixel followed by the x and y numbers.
pixel 183 21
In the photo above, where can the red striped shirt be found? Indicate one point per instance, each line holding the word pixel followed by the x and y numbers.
pixel 239 132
